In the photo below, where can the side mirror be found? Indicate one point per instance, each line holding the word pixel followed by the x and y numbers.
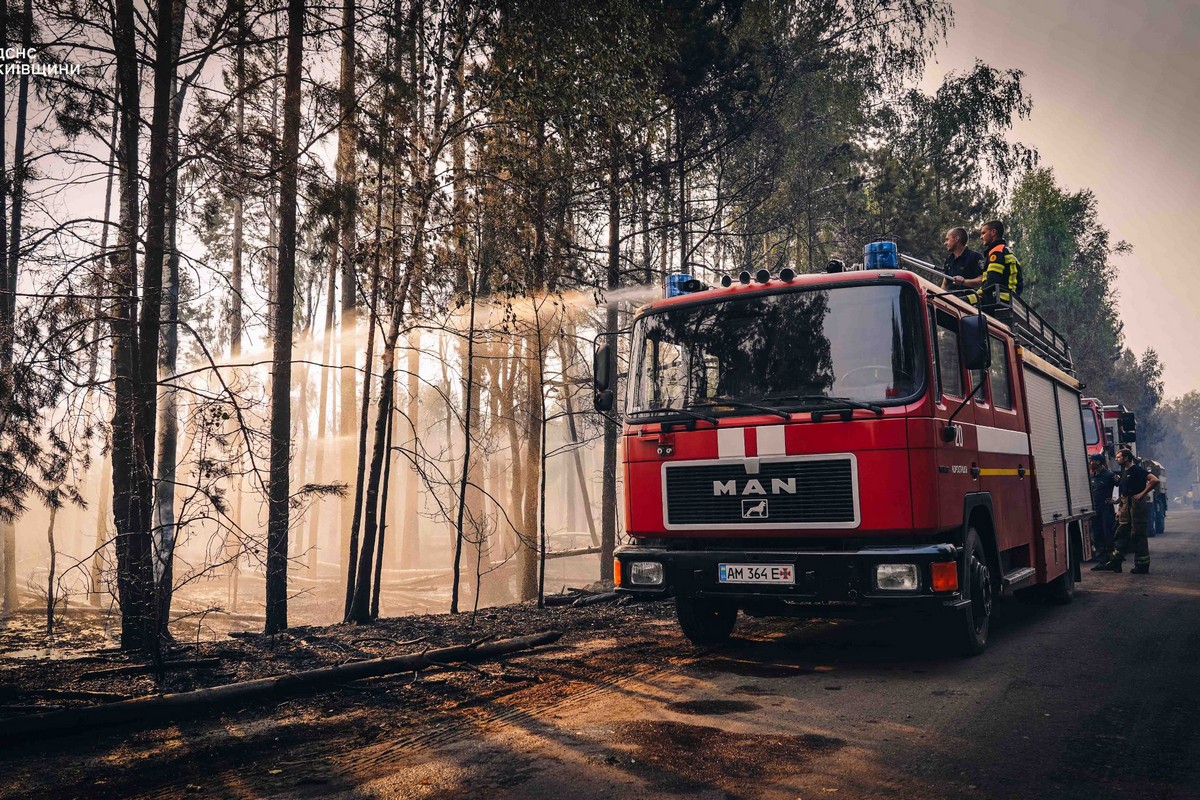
pixel 973 342
pixel 605 397
pixel 603 401
pixel 601 378
pixel 1127 422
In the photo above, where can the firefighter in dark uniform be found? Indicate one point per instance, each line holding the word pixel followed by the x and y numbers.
pixel 1001 278
pixel 1105 521
pixel 961 261
pixel 1137 487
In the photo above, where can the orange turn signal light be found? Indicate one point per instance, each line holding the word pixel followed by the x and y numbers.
pixel 945 576
pixel 617 572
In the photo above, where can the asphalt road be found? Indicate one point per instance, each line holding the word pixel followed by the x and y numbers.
pixel 1094 700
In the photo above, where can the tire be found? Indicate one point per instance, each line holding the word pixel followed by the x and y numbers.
pixel 1061 590
pixel 705 622
pixel 969 628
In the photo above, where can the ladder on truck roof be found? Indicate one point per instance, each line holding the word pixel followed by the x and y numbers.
pixel 1028 327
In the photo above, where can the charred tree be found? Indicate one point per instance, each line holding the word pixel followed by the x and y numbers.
pixel 360 608
pixel 360 470
pixel 10 254
pixel 471 395
pixel 346 176
pixel 285 300
pixel 608 496
pixel 164 501
pixel 135 335
pixel 239 192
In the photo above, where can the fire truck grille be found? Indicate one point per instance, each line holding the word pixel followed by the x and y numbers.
pixel 798 492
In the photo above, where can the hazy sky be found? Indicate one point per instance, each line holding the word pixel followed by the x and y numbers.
pixel 1116 108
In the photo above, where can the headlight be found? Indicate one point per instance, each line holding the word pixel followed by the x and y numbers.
pixel 897 577
pixel 645 573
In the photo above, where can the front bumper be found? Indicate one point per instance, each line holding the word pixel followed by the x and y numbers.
pixel 821 577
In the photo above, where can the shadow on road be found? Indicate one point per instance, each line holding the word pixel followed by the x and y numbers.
pixel 781 648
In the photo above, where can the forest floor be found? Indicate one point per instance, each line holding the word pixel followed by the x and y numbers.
pixel 97 764
pixel 1091 701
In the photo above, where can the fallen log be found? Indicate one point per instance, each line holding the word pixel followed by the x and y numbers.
pixel 579 551
pixel 139 669
pixel 151 709
pixel 566 599
pixel 595 599
pixel 78 694
pixel 28 709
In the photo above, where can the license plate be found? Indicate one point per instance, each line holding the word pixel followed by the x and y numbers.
pixel 757 573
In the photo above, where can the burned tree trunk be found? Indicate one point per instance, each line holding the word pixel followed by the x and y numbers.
pixel 235 273
pixel 471 394
pixel 608 496
pixel 165 523
pixel 360 609
pixel 346 176
pixel 285 298
pixel 360 470
pixel 131 476
pixel 11 258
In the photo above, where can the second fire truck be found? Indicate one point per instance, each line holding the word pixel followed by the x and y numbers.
pixel 794 444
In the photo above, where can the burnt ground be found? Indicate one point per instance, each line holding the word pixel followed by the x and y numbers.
pixel 1095 700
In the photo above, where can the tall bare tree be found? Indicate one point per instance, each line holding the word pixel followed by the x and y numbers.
pixel 346 176
pixel 285 301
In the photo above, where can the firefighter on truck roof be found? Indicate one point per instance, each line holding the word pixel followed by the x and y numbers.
pixel 961 261
pixel 1002 270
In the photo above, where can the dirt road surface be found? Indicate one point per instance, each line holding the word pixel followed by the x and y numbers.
pixel 1095 700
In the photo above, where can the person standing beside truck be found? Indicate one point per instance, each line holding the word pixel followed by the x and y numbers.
pixel 1136 485
pixel 1160 500
pixel 1105 520
pixel 961 261
pixel 1154 528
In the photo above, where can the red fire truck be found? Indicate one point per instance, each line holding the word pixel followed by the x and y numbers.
pixel 797 444
pixel 1120 428
pixel 1107 428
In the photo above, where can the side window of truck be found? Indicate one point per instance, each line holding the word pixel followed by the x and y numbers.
pixel 1001 389
pixel 949 361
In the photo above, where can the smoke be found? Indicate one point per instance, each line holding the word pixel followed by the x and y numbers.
pixel 220 551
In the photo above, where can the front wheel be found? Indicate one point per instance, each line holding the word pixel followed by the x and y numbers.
pixel 970 626
pixel 705 621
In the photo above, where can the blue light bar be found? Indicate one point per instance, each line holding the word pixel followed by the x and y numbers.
pixel 881 255
pixel 674 286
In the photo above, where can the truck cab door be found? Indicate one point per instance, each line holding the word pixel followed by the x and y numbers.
pixel 956 459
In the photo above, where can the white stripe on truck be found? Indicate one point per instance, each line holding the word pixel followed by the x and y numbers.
pixel 770 441
pixel 731 443
pixel 999 440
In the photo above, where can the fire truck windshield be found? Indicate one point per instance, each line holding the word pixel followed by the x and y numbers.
pixel 788 349
pixel 1091 433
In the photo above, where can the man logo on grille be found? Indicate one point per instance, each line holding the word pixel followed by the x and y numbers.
pixel 754 509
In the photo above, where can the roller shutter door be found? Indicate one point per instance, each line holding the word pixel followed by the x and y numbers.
pixel 1047 445
pixel 1075 451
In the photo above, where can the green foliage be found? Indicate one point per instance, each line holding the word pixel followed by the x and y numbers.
pixel 1067 258
pixel 1138 384
pixel 943 160
pixel 1180 420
